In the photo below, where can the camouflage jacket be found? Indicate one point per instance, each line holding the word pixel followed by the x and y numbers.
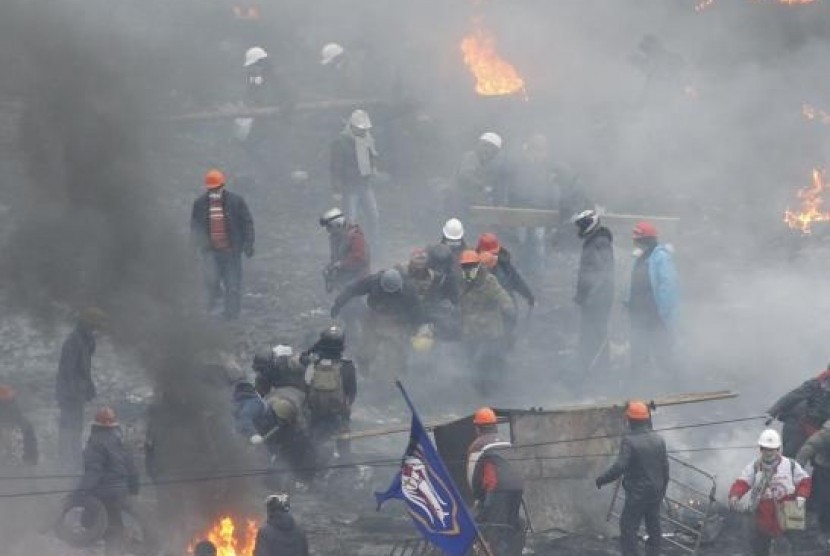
pixel 485 307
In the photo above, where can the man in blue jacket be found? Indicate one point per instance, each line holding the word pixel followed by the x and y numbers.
pixel 652 302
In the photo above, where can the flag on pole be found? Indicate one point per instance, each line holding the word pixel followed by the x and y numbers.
pixel 433 501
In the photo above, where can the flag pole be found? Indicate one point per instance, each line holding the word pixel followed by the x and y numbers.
pixel 479 537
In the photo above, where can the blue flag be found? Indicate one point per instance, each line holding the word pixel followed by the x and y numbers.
pixel 433 502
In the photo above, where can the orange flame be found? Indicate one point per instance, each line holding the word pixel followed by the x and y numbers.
pixel 811 205
pixel 812 113
pixel 494 76
pixel 703 5
pixel 228 541
pixel 251 12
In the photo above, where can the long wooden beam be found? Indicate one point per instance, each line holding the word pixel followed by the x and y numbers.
pixel 509 216
pixel 239 111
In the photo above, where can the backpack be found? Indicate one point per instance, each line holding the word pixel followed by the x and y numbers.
pixel 325 389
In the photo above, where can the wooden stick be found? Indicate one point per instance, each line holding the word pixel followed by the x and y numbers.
pixel 239 111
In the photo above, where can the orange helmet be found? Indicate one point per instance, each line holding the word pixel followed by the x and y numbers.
pixel 488 259
pixel 214 179
pixel 644 229
pixel 488 243
pixel 637 411
pixel 106 417
pixel 485 416
pixel 468 256
pixel 7 393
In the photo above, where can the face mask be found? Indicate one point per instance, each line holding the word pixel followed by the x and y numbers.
pixel 769 456
pixel 637 253
pixel 470 274
pixel 256 80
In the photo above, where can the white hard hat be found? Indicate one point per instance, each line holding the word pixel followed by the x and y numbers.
pixel 333 216
pixel 492 138
pixel 360 120
pixel 281 350
pixel 770 439
pixel 329 52
pixel 254 55
pixel 453 229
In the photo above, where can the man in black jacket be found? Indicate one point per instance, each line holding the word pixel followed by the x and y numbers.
pixel 594 290
pixel 74 386
pixel 222 228
pixel 280 535
pixel 803 411
pixel 109 474
pixel 644 466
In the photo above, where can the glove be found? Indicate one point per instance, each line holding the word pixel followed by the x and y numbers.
pixel 256 440
pixel 599 483
pixel 799 502
pixel 733 503
pixel 249 251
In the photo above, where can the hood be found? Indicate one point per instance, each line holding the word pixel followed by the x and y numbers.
pixel 601 231
pixel 282 520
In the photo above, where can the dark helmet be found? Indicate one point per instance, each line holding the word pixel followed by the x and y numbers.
pixel 332 340
pixel 279 502
pixel 391 281
pixel 262 360
pixel 586 222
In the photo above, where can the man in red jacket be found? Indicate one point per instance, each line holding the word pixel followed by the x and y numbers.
pixel 771 479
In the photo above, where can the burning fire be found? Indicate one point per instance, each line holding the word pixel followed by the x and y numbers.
pixel 494 76
pixel 813 113
pixel 703 4
pixel 811 205
pixel 228 540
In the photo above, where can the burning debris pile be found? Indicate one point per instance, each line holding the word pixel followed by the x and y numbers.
pixel 811 210
pixel 230 538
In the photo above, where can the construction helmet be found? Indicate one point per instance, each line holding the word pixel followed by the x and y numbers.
pixel 492 138
pixel 484 416
pixel 283 409
pixel 770 439
pixel 7 393
pixel 644 229
pixel 254 55
pixel 278 502
pixel 422 342
pixel 453 229
pixel 637 411
pixel 360 120
pixel 488 260
pixel 333 217
pixel 281 350
pixel 488 242
pixel 332 339
pixel 391 281
pixel 468 256
pixel 586 222
pixel 214 179
pixel 330 52
pixel 105 417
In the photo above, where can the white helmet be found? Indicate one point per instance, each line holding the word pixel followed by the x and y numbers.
pixel 281 350
pixel 254 55
pixel 492 138
pixel 453 229
pixel 360 120
pixel 333 217
pixel 770 439
pixel 330 52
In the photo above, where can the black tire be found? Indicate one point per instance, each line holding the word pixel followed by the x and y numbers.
pixel 82 522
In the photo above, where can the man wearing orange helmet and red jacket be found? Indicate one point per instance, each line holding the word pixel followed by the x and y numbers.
pixel 652 302
pixel 222 228
pixel 643 464
pixel 11 417
pixel 507 275
pixel 497 488
pixel 109 474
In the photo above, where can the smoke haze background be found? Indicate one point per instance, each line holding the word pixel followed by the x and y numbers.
pixel 97 186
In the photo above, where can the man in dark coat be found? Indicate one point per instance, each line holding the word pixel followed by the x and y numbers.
pixel 644 466
pixel 280 535
pixel 222 228
pixel 508 276
pixel 594 290
pixel 109 474
pixel 74 385
pixel 803 411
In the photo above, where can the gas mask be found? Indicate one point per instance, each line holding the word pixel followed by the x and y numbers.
pixel 470 272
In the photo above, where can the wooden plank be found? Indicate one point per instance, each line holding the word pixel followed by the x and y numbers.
pixel 509 216
pixel 240 111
